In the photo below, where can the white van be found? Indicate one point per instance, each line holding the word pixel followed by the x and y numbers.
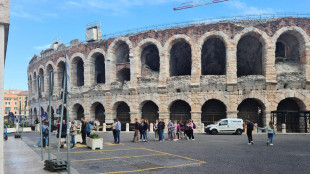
pixel 226 126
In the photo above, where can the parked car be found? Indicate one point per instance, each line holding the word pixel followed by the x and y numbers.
pixel 226 126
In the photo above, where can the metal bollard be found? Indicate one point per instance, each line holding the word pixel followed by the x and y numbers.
pixel 151 128
pixel 104 127
pixel 284 128
pixel 127 127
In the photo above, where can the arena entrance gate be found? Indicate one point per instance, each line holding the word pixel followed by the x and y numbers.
pixel 296 121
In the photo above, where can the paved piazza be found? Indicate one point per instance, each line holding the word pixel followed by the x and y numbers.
pixel 207 154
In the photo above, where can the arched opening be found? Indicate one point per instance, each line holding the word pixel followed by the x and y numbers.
pixel 212 111
pixel 97 111
pixel 60 71
pixel 249 56
pixel 99 68
pixel 77 69
pixel 123 75
pixel 150 111
pixel 248 109
pixel 50 69
pixel 213 57
pixel 180 59
pixel 122 53
pixel 41 73
pixel 150 61
pixel 123 113
pixel 287 48
pixel 288 113
pixel 78 111
pixel 180 111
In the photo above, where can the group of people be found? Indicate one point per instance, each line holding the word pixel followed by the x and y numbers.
pixel 175 131
pixel 270 129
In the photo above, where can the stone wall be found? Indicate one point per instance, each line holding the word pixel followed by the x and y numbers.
pixel 275 81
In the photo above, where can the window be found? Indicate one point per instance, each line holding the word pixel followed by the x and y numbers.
pixel 9 103
pixel 15 108
pixel 6 103
pixel 223 123
pixel 15 103
pixel 7 108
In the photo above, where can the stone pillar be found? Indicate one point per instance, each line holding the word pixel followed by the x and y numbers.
pixel 231 63
pixel 134 68
pixel 202 128
pixel 196 117
pixel 196 66
pixel 108 71
pixel 269 63
pixel 133 116
pixel 164 69
pixel 232 114
pixel 108 117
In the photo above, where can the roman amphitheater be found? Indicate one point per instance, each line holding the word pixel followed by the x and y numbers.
pixel 250 69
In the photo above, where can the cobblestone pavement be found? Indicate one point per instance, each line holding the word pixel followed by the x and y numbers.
pixel 207 154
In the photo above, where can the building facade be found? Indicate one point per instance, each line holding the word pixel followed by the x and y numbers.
pixel 229 69
pixel 4 33
pixel 15 99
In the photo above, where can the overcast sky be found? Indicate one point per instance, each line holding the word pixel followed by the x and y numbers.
pixel 35 24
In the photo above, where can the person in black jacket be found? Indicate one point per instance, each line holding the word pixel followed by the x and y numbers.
pixel 161 128
pixel 250 127
pixel 136 135
pixel 83 130
pixel 142 129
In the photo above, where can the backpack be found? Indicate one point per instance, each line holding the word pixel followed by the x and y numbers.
pixel 45 132
pixel 194 125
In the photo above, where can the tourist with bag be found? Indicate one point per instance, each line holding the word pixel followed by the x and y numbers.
pixel 136 134
pixel 271 131
pixel 156 130
pixel 73 133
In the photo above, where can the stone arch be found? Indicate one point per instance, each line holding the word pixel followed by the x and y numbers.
pixel 42 77
pixel 96 66
pixel 288 113
pixel 30 83
pixel 248 109
pixel 77 70
pixel 180 110
pixel 123 75
pixel 122 111
pixel 246 64
pixel 35 88
pixel 213 53
pixel 212 111
pixel 148 49
pixel 60 71
pixel 77 111
pixel 97 111
pixel 291 56
pixel 49 67
pixel 149 110
pixel 172 65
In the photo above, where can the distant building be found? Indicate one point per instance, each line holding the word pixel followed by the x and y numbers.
pixel 12 98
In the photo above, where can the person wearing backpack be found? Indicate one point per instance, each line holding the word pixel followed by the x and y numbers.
pixel 73 133
pixel 44 136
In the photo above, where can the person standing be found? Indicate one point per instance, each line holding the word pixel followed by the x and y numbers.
pixel 161 127
pixel 89 126
pixel 44 136
pixel 142 129
pixel 147 130
pixel 170 130
pixel 63 133
pixel 179 131
pixel 118 128
pixel 114 131
pixel 271 131
pixel 175 128
pixel 156 130
pixel 83 130
pixel 136 134
pixel 250 127
pixel 73 133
